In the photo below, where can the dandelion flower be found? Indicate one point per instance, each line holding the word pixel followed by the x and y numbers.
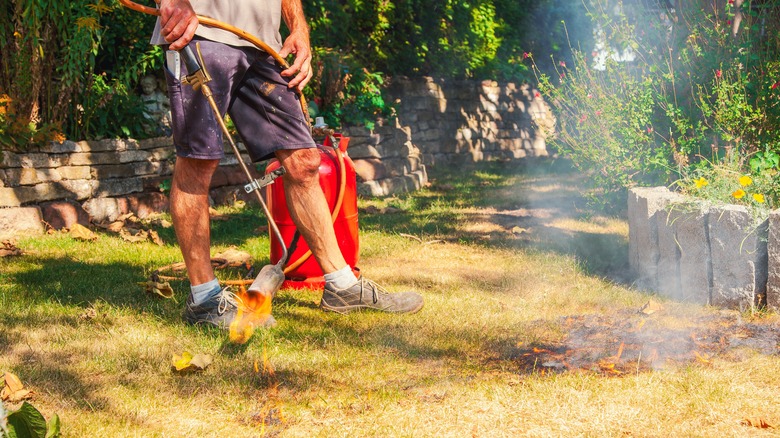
pixel 739 194
pixel 745 180
pixel 759 198
pixel 701 182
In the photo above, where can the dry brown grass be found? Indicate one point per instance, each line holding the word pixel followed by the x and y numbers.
pixel 457 368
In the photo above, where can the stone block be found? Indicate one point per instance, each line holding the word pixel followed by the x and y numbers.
pixel 63 214
pixel 146 204
pixel 692 232
pixel 75 172
pixel 61 148
pixel 643 254
pixel 363 151
pixel 684 259
pixel 370 169
pixel 118 187
pixel 106 209
pixel 739 257
pixel 34 160
pixel 155 143
pixel 28 176
pixel 773 254
pixel 127 170
pixel 20 221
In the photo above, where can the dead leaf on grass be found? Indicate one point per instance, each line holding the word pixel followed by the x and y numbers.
pixel 234 257
pixel 189 363
pixel 757 422
pixel 88 314
pixel 162 289
pixel 80 232
pixel 8 248
pixel 519 230
pixel 162 223
pixel 156 238
pixel 128 235
pixel 371 209
pixel 390 210
pixel 651 307
pixel 216 216
pixel 13 389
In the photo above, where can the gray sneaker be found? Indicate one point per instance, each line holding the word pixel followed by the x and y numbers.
pixel 365 294
pixel 219 311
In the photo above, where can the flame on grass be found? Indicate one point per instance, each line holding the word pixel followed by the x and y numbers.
pixel 254 312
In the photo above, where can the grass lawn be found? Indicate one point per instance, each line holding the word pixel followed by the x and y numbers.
pixel 530 328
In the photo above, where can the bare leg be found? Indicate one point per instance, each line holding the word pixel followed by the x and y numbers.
pixel 308 207
pixel 190 213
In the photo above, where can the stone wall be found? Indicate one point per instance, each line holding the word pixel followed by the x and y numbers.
pixel 438 123
pixel 456 121
pixel 704 254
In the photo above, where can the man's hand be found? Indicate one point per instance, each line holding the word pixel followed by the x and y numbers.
pixel 178 22
pixel 300 71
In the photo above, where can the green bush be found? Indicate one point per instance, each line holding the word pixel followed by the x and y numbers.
pixel 700 100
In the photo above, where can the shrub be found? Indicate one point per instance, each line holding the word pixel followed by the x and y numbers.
pixel 672 96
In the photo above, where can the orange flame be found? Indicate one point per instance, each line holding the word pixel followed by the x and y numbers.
pixel 254 312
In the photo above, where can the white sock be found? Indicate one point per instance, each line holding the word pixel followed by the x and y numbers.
pixel 202 292
pixel 341 279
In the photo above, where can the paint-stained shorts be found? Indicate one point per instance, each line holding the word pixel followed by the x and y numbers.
pixel 246 83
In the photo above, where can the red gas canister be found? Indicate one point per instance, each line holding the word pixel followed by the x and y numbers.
pixel 302 270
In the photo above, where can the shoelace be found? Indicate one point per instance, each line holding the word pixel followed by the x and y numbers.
pixel 226 298
pixel 376 289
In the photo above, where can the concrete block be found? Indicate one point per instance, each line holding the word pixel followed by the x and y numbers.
pixel 363 151
pixel 20 221
pixel 739 257
pixel 118 187
pixel 63 214
pixel 684 263
pixel 106 209
pixel 643 253
pixel 692 232
pixel 773 255
pixel 370 169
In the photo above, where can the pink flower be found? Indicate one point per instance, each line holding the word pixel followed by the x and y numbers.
pixel 583 118
pixel 526 55
pixel 598 113
pixel 537 94
pixel 775 85
pixel 650 130
pixel 718 73
pixel 562 64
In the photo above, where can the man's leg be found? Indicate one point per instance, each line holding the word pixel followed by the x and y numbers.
pixel 207 303
pixel 190 213
pixel 311 215
pixel 308 207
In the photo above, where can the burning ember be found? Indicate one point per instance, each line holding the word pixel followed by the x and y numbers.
pixel 628 342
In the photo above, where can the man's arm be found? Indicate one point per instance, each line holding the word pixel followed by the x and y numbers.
pixel 178 22
pixel 297 43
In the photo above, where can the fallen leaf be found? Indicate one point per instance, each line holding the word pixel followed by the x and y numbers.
pixel 519 230
pixel 162 223
pixel 13 390
pixel 80 232
pixel 125 217
pixel 371 209
pixel 756 422
pixel 88 314
pixel 651 307
pixel 139 236
pixel 162 289
pixel 116 226
pixel 156 238
pixel 390 210
pixel 189 363
pixel 234 257
pixel 8 248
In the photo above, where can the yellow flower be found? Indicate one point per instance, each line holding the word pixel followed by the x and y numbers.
pixel 739 194
pixel 701 182
pixel 745 180
pixel 759 198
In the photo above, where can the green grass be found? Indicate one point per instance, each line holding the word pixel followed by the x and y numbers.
pixel 506 257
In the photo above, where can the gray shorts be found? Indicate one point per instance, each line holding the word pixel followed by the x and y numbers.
pixel 247 85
